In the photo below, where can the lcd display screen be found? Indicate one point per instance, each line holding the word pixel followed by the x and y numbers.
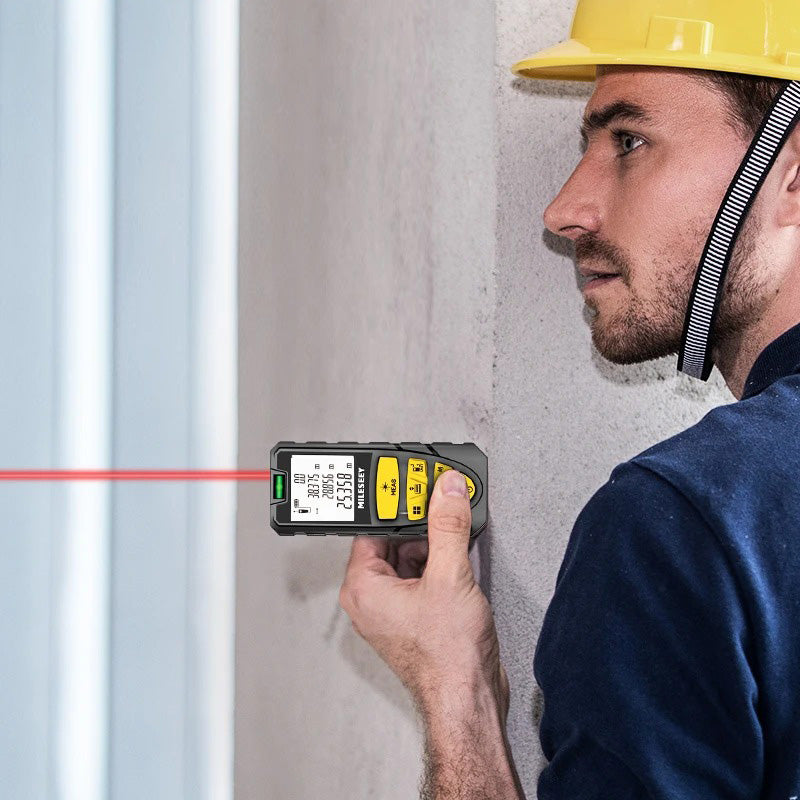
pixel 322 487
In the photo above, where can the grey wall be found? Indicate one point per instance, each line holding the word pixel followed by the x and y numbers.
pixel 396 283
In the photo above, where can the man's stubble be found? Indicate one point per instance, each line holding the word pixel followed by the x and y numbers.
pixel 651 327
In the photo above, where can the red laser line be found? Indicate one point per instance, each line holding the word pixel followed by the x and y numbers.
pixel 134 475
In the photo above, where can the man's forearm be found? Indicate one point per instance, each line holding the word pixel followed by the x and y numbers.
pixel 467 755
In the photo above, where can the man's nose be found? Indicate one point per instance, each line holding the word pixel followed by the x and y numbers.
pixel 575 210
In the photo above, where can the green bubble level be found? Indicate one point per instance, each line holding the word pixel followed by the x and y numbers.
pixel 279 487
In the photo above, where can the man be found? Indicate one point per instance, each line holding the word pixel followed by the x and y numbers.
pixel 669 657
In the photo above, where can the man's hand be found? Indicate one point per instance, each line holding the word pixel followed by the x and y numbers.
pixel 419 607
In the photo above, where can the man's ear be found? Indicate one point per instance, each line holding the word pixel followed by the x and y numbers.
pixel 788 208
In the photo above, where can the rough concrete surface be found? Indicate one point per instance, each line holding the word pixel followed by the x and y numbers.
pixel 396 283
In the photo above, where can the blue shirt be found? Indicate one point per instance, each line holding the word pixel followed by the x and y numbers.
pixel 669 657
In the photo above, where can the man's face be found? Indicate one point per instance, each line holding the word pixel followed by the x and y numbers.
pixel 659 157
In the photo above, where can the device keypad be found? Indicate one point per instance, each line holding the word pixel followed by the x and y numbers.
pixel 388 487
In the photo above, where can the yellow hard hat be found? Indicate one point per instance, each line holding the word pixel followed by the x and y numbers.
pixel 753 37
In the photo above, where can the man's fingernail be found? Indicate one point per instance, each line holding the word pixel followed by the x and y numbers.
pixel 454 483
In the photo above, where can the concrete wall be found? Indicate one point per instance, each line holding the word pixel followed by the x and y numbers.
pixel 396 282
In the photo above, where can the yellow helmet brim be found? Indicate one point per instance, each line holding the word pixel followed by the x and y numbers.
pixel 574 60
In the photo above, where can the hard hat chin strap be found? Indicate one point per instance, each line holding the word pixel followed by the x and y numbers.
pixel 695 357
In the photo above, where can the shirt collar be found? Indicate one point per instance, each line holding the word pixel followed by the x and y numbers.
pixel 779 358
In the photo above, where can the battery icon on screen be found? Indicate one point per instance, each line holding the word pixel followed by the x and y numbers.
pixel 279 487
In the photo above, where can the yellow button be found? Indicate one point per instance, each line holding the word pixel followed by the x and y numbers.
pixel 387 487
pixel 418 467
pixel 418 508
pixel 470 487
pixel 417 488
pixel 438 469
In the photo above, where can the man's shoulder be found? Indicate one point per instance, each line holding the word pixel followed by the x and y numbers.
pixel 734 447
pixel 639 496
pixel 733 472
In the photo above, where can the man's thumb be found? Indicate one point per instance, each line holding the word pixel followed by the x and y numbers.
pixel 449 523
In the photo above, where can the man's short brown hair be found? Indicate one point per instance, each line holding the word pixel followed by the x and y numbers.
pixel 749 97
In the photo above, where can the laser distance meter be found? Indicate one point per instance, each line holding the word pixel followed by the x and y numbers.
pixel 383 488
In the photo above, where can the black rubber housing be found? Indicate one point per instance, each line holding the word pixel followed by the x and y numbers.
pixel 466 457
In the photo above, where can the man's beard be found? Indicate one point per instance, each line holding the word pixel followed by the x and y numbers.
pixel 650 328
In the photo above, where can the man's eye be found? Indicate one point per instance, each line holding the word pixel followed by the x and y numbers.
pixel 625 140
